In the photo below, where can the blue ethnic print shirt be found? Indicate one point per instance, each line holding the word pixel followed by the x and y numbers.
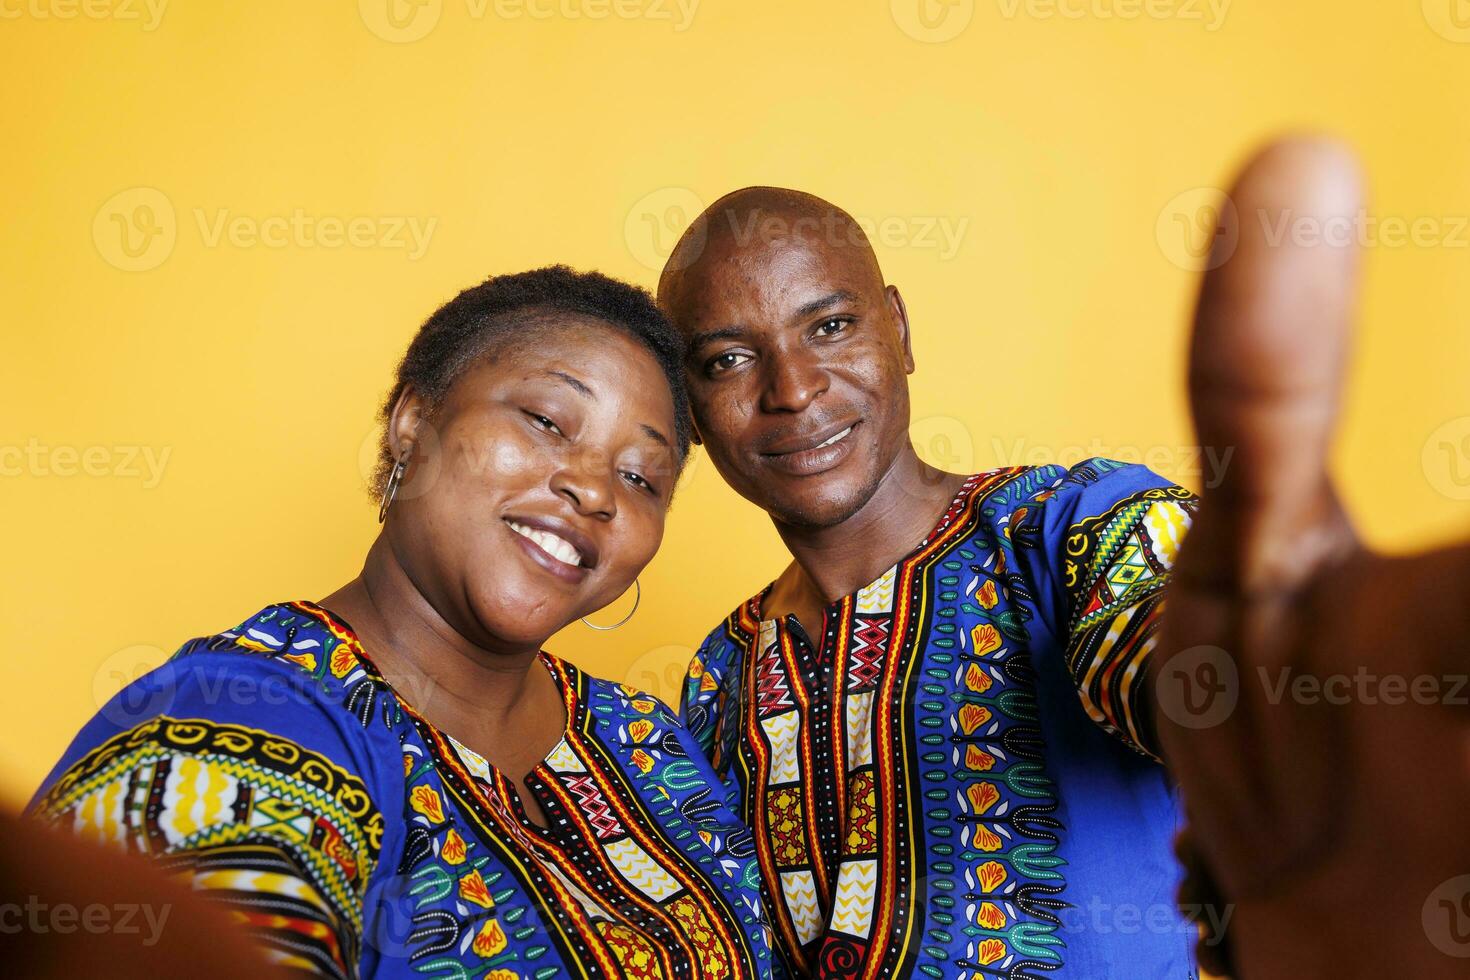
pixel 956 778
pixel 274 765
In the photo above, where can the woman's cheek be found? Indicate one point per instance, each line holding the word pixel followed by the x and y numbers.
pixel 497 458
pixel 647 535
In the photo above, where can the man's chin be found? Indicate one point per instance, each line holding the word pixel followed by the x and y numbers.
pixel 818 502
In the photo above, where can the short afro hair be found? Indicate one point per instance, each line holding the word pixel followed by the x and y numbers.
pixel 487 318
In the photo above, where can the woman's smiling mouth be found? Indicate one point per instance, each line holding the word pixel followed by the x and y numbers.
pixel 556 546
pixel 559 548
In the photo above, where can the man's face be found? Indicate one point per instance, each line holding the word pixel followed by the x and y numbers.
pixel 797 369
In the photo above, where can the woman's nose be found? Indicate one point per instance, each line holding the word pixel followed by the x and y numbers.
pixel 585 480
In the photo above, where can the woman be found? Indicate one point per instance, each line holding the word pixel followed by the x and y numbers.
pixel 425 791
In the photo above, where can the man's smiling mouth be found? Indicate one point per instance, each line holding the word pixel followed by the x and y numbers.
pixel 792 447
pixel 813 454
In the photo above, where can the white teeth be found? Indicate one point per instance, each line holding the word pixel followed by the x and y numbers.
pixel 837 438
pixel 556 547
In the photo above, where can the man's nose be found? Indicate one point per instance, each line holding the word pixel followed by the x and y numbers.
pixel 792 382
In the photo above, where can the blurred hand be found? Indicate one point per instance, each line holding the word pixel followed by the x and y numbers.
pixel 72 909
pixel 1311 694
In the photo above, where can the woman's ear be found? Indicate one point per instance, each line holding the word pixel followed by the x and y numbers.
pixel 404 421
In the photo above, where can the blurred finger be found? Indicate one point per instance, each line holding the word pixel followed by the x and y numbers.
pixel 1266 366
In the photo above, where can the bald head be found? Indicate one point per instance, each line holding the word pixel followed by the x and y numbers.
pixel 798 352
pixel 759 220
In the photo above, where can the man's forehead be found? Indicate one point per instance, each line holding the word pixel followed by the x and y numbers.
pixel 782 283
pixel 782 271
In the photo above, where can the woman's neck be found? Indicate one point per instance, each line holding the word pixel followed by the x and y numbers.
pixel 469 690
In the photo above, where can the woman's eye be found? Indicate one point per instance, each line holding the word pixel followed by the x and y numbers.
pixel 542 422
pixel 726 361
pixel 638 481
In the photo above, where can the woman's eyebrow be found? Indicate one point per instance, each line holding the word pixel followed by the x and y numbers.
pixel 656 435
pixel 580 388
pixel 576 385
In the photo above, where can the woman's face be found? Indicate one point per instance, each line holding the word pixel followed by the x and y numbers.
pixel 537 491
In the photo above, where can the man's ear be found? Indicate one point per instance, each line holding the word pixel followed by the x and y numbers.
pixel 900 316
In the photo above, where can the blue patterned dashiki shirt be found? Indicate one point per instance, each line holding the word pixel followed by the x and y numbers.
pixel 930 795
pixel 274 765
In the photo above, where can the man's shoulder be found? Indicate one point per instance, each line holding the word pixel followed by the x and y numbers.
pixel 1098 479
pixel 743 622
pixel 1041 477
pixel 725 645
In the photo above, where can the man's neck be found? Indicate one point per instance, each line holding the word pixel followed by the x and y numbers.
pixel 832 562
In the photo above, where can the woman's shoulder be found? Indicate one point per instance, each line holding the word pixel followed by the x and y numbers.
pixel 288 675
pixel 243 758
pixel 298 634
pixel 292 651
pixel 611 700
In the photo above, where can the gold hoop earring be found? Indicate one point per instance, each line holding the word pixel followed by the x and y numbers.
pixel 391 490
pixel 637 598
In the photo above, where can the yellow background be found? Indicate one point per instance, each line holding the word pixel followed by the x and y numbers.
pixel 1061 152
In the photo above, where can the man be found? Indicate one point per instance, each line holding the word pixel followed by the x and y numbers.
pixel 899 712
pixel 904 725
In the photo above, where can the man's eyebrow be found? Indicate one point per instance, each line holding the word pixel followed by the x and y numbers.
pixel 576 385
pixel 735 332
pixel 832 299
pixel 710 336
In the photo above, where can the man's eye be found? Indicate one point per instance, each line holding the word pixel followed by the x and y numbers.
pixel 833 325
pixel 542 422
pixel 726 361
